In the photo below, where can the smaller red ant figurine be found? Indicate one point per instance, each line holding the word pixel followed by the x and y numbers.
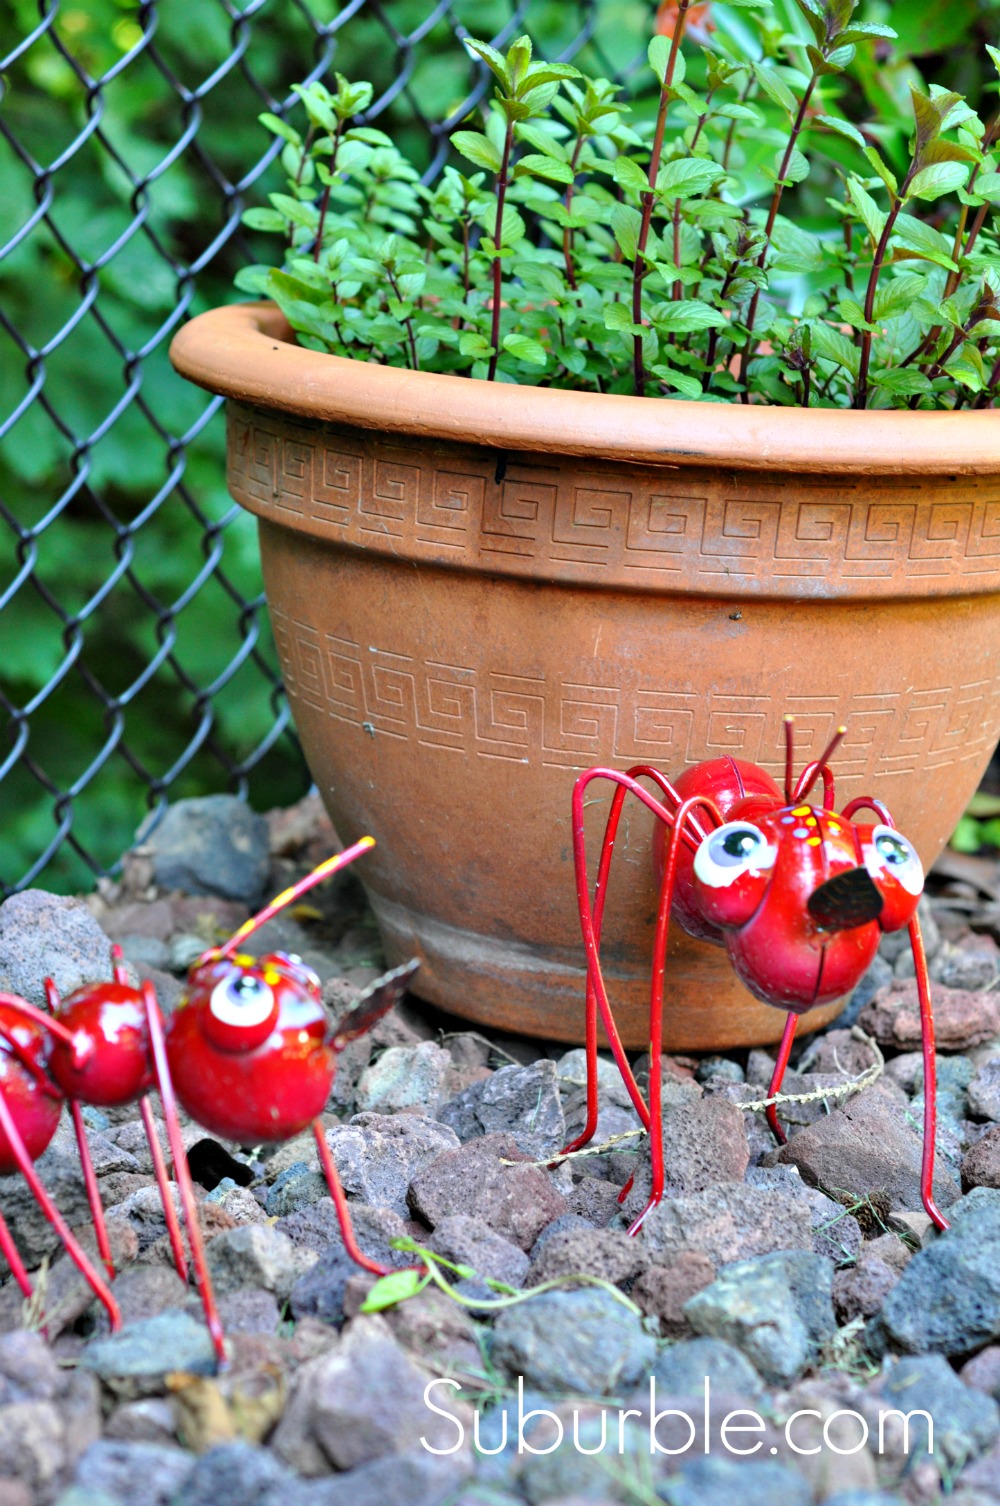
pixel 798 895
pixel 249 1047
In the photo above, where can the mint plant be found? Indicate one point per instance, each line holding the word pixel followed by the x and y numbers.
pixel 582 247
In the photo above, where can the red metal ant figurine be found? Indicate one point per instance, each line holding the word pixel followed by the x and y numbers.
pixel 250 1051
pixel 797 895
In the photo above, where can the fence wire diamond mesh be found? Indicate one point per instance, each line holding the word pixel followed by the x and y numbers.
pixel 135 657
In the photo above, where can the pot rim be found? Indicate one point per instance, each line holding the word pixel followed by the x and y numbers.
pixel 247 351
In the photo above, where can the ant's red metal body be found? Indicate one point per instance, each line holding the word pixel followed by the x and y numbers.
pixel 798 895
pixel 248 1052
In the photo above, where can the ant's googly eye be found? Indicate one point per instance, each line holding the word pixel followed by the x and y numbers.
pixel 892 853
pixel 735 849
pixel 242 1000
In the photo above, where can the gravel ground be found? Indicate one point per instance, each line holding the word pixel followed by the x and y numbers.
pixel 771 1333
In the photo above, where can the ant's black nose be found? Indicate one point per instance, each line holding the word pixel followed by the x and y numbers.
pixel 848 899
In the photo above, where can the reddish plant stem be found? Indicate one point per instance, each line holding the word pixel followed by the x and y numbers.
pixel 649 197
pixel 407 322
pixel 772 215
pixel 324 202
pixel 861 391
pixel 702 119
pixel 503 183
pixel 568 204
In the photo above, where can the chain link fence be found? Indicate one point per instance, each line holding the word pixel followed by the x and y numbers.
pixel 135 659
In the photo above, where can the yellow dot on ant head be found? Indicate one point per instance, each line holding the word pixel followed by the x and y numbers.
pixel 814 841
pixel 802 810
pixel 811 821
pixel 834 830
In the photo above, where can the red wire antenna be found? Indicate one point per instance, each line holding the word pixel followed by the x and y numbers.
pixel 812 771
pixel 789 758
pixel 288 897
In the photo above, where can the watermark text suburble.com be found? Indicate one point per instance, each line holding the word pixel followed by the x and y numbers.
pixel 842 1432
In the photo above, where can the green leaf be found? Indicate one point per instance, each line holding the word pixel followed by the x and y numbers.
pixel 526 349
pixel 896 294
pixel 280 127
pixel 629 175
pixel 658 53
pixel 264 219
pixel 680 381
pixel 618 317
pixel 871 216
pixel 987 185
pixel 495 61
pixel 901 381
pixel 776 89
pixel 853 314
pixel 471 343
pixel 940 178
pixel 685 315
pixel 884 171
pixel 395 1287
pixel 831 345
pixel 687 177
pixel 536 165
pixel 797 169
pixel 625 223
pixel 924 241
pixel 478 149
pixel 842 128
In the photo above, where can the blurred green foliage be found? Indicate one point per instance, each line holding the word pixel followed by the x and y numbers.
pixel 133 178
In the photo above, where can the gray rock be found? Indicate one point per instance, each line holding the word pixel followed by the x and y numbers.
pixel 728 1222
pixel 517 1200
pixel 965 1421
pixel 571 1070
pixel 877 976
pixel 704 1143
pixel 981 1162
pixel 984 1090
pixel 134 1474
pixel 378 1155
pixel 662 1290
pixel 150 1420
pixel 214 844
pixel 866 1144
pixel 362 1401
pixel 293 1188
pixel 961 1018
pixel 716 1068
pixel 607 1253
pixel 134 1361
pixel 948 1297
pixel 319 1293
pixel 467 1241
pixel 257 1255
pixel 521 1101
pixel 860 1290
pixel 776 1309
pixel 720 1481
pixel 972 963
pixel 572 1477
pixel 581 1341
pixel 46 935
pixel 417 1478
pixel 404 1078
pixel 836 1233
pixel 897 943
pixel 681 1369
pixel 250 1310
pixel 237 1474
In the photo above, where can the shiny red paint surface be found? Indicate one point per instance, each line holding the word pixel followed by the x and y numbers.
pixel 245 1083
pixel 108 1063
pixel 24 1055
pixel 778 949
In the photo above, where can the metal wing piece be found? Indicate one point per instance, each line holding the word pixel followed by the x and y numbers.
pixel 846 900
pixel 378 998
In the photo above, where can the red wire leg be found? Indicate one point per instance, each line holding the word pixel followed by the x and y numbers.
pixel 14 1260
pixel 778 1076
pixel 163 1182
pixel 930 1076
pixel 662 936
pixel 74 1250
pixel 340 1203
pixel 93 1193
pixel 161 1067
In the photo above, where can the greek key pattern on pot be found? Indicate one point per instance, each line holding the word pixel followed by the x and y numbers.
pixel 455 504
pixel 493 712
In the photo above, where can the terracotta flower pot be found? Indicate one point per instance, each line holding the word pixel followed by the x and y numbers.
pixel 479 590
